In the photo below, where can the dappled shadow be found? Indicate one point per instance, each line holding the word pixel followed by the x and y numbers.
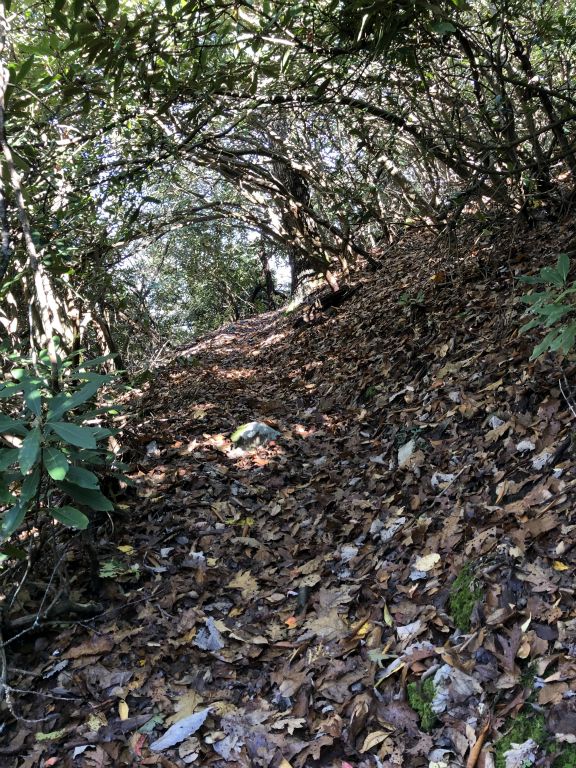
pixel 295 588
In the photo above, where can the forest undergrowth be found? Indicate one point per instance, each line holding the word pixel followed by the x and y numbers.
pixel 389 583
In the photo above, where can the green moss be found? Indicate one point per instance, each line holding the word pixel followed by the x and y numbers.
pixel 420 699
pixel 464 594
pixel 529 725
pixel 369 393
pixel 528 676
pixel 566 758
pixel 523 727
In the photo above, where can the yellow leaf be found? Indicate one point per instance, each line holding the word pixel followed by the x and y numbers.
pixel 246 583
pixel 128 549
pixel 96 721
pixel 558 565
pixel 123 710
pixel 361 628
pixel 186 705
pixel 524 649
pixel 52 736
pixel 493 386
pixel 373 739
pixel 285 764
pixel 364 629
pixel 388 620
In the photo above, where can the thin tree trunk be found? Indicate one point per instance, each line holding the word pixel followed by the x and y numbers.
pixel 44 294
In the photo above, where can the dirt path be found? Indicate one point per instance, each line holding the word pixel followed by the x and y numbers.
pixel 294 597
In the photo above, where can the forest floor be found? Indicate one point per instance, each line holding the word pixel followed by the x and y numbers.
pixel 389 583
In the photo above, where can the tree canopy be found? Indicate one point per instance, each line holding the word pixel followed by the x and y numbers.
pixel 163 153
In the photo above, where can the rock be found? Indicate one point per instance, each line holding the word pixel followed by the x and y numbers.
pixel 254 433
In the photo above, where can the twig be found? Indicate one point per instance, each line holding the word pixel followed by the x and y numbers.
pixel 477 748
pixel 567 397
pixel 456 476
pixel 44 695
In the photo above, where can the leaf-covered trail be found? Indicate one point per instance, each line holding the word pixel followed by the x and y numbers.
pixel 294 593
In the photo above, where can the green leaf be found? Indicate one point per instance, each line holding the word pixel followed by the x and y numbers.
pixel 101 432
pixel 60 405
pixel 556 343
pixel 544 345
pixel 71 517
pixel 16 553
pixel 30 486
pixel 33 399
pixel 9 390
pixel 89 457
pixel 530 279
pixel 568 337
pixel 8 457
pixel 57 406
pixel 550 275
pixel 443 27
pixel 12 519
pixel 94 362
pixel 112 7
pixel 563 265
pixel 60 20
pixel 83 437
pixel 536 298
pixel 554 313
pixel 5 496
pixel 528 326
pixel 93 499
pixel 84 478
pixel 10 425
pixel 30 451
pixel 56 463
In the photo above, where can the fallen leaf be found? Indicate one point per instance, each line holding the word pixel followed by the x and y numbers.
pixel 180 730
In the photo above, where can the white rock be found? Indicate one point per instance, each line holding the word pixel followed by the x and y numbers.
pixel 254 433
pixel 525 445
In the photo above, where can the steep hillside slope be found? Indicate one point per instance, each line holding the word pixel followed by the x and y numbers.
pixel 389 583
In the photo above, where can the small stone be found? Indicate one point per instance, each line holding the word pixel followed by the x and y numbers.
pixel 525 445
pixel 254 433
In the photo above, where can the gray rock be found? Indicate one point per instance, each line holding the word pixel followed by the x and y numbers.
pixel 254 433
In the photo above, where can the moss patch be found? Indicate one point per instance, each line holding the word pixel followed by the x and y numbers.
pixel 464 594
pixel 523 727
pixel 528 725
pixel 369 393
pixel 566 758
pixel 420 699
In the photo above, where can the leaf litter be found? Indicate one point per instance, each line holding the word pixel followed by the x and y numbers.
pixel 291 603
